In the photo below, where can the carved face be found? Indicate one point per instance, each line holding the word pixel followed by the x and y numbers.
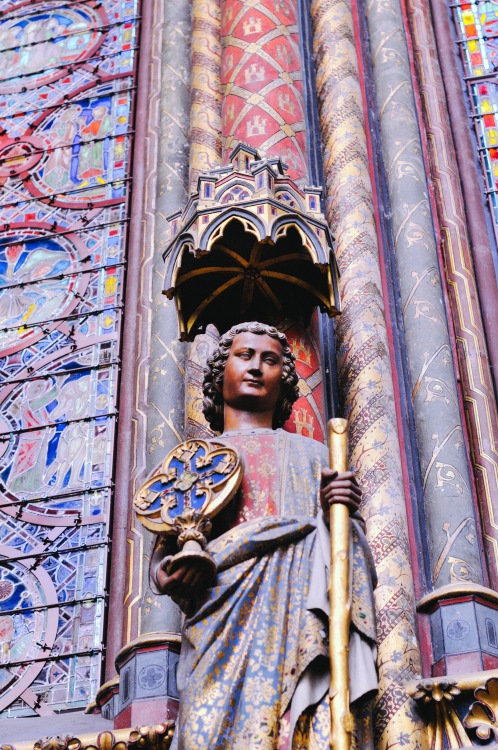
pixel 252 379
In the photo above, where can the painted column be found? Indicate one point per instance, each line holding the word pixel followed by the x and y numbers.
pixel 365 376
pixel 160 388
pixel 471 344
pixel 471 184
pixel 205 101
pixel 477 383
pixel 205 154
pixel 262 82
pixel 151 623
pixel 454 552
pixel 122 570
pixel 166 386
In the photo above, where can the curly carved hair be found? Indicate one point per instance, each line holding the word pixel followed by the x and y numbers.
pixel 212 404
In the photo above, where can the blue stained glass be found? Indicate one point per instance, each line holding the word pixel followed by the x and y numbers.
pixel 66 93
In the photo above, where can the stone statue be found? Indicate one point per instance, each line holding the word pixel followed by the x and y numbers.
pixel 254 668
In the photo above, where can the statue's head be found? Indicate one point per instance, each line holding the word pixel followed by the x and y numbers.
pixel 213 405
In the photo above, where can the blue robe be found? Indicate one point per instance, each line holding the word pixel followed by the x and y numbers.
pixel 260 634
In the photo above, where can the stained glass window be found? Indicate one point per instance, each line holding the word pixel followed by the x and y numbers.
pixel 477 32
pixel 67 83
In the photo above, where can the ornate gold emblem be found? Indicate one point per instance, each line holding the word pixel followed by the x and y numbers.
pixel 193 483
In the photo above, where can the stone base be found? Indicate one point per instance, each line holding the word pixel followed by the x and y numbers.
pixel 158 710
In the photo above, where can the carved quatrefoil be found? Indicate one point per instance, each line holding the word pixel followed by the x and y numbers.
pixel 197 475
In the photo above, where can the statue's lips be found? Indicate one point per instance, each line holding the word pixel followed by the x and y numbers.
pixel 253 382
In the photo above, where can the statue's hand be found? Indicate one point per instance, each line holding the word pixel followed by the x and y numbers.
pixel 185 584
pixel 338 488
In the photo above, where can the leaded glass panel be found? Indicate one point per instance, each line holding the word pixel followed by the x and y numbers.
pixel 477 31
pixel 67 86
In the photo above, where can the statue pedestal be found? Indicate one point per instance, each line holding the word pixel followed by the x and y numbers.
pixel 145 690
pixel 147 680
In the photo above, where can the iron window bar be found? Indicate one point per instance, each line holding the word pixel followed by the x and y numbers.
pixel 52 605
pixel 71 66
pixel 59 657
pixel 62 496
pixel 38 428
pixel 74 230
pixel 39 557
pixel 73 316
pixel 100 29
pixel 67 552
pixel 50 198
pixel 66 102
pixel 488 77
pixel 59 373
pixel 51 149
pixel 72 274
pixel 67 4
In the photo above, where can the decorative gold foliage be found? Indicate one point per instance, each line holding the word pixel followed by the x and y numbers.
pixel 482 713
pixel 156 737
pixel 432 690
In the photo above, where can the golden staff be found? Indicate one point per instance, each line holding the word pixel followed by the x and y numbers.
pixel 339 598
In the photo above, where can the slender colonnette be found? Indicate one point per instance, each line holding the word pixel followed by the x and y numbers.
pixel 205 101
pixel 472 182
pixel 205 154
pixel 364 366
pixel 453 548
pixel 166 384
pixel 480 405
pixel 158 416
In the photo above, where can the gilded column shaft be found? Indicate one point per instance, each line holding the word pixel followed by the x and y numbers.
pixel 453 549
pixel 262 82
pixel 205 154
pixel 364 366
pixel 479 401
pixel 205 101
